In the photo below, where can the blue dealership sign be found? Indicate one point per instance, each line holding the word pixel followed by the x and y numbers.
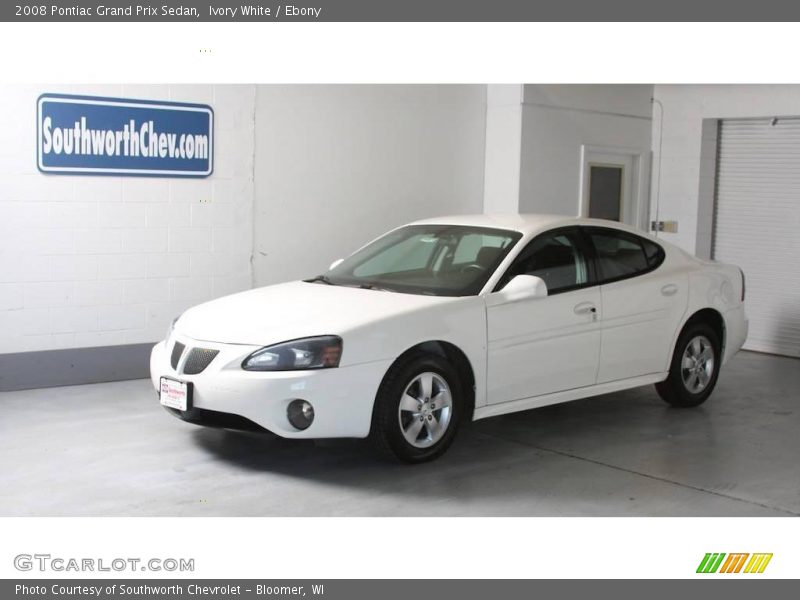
pixel 87 135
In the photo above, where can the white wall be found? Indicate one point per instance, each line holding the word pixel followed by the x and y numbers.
pixel 682 178
pixel 557 120
pixel 503 148
pixel 623 100
pixel 338 165
pixel 96 261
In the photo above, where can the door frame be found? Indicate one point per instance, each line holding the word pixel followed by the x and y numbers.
pixel 639 203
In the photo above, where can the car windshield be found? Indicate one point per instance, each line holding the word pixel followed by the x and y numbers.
pixel 439 260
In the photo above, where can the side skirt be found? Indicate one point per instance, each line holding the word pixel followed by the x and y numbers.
pixel 493 410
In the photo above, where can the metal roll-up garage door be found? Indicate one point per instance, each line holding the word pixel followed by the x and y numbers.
pixel 757 225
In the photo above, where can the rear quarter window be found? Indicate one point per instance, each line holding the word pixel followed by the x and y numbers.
pixel 654 254
pixel 621 254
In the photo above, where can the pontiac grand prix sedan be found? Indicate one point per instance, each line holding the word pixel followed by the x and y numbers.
pixel 450 319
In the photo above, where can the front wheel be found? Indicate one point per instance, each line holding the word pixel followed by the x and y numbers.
pixel 417 409
pixel 694 368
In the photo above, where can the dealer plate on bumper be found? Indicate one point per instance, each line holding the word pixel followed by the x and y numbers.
pixel 176 394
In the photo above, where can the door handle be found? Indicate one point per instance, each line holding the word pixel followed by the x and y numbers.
pixel 585 308
pixel 669 290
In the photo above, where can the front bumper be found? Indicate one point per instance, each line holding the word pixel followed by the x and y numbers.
pixel 225 395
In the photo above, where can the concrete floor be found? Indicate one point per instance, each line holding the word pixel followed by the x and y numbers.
pixel 109 449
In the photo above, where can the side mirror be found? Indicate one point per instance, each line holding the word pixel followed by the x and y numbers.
pixel 335 264
pixel 523 287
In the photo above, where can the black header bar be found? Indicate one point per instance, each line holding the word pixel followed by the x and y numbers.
pixel 401 11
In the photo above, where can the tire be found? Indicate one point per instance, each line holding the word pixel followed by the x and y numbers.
pixel 691 380
pixel 393 428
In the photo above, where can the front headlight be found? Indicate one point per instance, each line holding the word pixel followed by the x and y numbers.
pixel 322 352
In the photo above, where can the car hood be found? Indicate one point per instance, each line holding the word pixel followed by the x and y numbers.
pixel 289 311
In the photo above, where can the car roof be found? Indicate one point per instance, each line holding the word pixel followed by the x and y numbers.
pixel 524 223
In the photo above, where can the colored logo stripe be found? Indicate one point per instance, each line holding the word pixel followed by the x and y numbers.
pixel 733 564
pixel 758 563
pixel 710 563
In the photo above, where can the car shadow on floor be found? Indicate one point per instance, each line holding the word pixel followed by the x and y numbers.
pixel 493 457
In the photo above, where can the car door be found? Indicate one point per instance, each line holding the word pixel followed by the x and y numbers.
pixel 543 345
pixel 643 299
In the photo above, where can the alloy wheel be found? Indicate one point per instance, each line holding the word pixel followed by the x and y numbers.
pixel 425 410
pixel 697 364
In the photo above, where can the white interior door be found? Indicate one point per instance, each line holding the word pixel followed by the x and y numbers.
pixel 610 185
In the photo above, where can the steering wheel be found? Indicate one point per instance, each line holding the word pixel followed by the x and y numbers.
pixel 473 267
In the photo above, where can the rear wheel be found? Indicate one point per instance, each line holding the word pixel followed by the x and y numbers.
pixel 694 368
pixel 417 409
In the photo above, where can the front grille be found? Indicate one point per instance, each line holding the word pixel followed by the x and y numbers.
pixel 177 350
pixel 198 360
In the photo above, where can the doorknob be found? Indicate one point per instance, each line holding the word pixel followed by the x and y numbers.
pixel 585 308
pixel 669 290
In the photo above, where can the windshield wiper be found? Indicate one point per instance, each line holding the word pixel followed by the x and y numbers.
pixel 364 286
pixel 371 286
pixel 320 279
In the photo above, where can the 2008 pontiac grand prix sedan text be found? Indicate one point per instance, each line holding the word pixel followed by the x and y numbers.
pixel 451 319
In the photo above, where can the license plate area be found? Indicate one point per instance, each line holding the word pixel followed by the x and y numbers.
pixel 175 394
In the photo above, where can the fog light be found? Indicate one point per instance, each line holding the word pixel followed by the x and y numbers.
pixel 300 414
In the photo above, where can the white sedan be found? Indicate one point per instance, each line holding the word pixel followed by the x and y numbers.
pixel 450 319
